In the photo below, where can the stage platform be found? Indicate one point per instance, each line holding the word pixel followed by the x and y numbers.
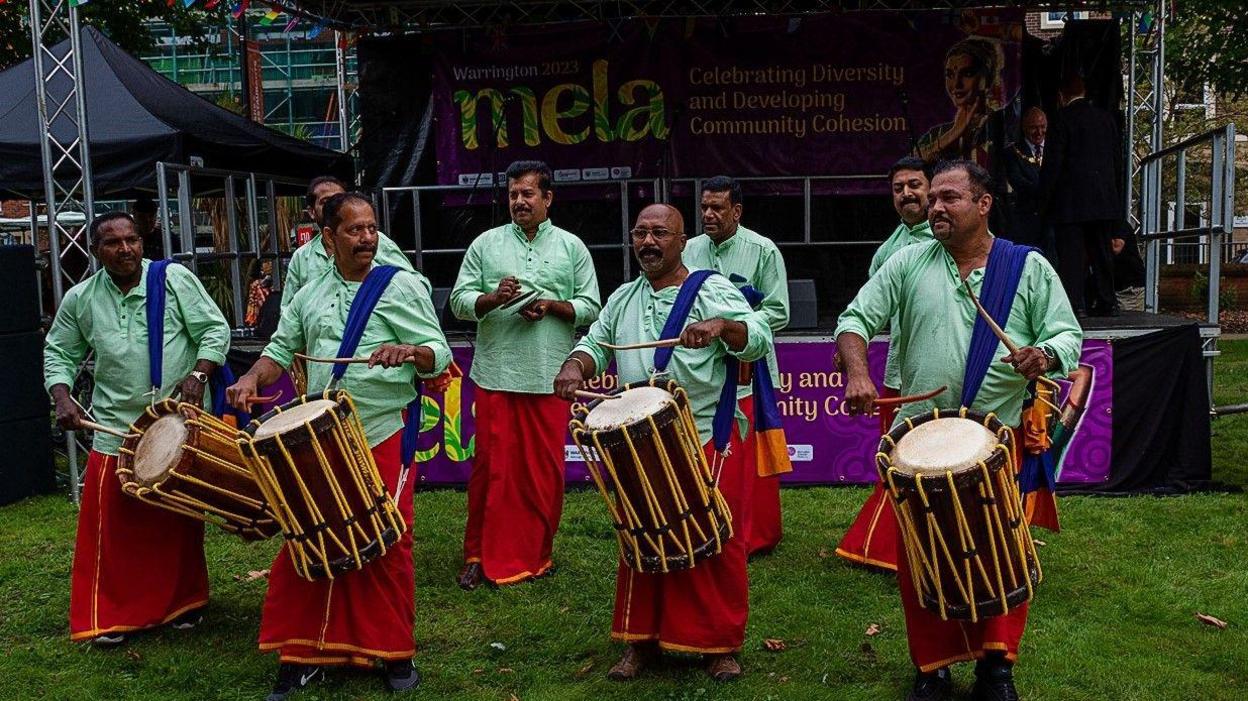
pixel 1146 427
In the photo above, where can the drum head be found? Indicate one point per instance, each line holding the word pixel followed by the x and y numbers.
pixel 629 407
pixel 943 444
pixel 296 415
pixel 160 448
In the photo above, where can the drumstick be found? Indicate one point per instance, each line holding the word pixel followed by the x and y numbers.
pixel 663 343
pixel 894 401
pixel 594 395
pixel 346 361
pixel 1010 345
pixel 102 429
pixel 263 400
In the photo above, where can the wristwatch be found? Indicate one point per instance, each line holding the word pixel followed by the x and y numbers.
pixel 1049 356
pixel 201 376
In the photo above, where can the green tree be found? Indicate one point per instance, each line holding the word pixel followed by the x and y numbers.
pixel 1205 46
pixel 123 22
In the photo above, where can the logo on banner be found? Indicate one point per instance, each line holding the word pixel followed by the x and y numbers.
pixel 573 454
pixel 801 453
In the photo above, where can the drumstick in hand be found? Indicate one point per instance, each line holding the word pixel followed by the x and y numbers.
pixel 663 343
pixel 1010 345
pixel 102 429
pixel 895 401
pixel 594 395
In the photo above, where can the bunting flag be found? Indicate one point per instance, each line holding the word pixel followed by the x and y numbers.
pixel 77 3
pixel 211 4
pixel 188 3
pixel 315 31
pixel 269 16
pixel 239 8
pixel 294 21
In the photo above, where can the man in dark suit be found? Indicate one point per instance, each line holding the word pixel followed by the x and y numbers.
pixel 1022 170
pixel 1079 184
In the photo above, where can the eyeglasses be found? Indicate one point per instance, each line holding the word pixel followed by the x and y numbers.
pixel 640 235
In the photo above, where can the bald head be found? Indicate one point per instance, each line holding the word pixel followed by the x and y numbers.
pixel 1035 125
pixel 663 214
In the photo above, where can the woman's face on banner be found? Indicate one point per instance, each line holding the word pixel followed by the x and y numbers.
pixel 963 81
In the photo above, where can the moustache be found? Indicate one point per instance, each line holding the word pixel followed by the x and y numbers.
pixel 649 250
pixel 910 200
pixel 361 249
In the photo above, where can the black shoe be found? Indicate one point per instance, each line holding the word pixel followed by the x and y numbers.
pixel 994 680
pixel 108 640
pixel 292 678
pixel 188 620
pixel 932 686
pixel 402 676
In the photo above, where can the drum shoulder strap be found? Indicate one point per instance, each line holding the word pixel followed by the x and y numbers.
pixel 680 314
pixel 157 272
pixel 1005 266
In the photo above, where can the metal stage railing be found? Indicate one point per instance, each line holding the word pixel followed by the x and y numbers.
pixel 1218 147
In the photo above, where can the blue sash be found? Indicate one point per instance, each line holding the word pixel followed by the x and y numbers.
pixel 726 408
pixel 1001 278
pixel 768 423
pixel 366 299
pixel 222 377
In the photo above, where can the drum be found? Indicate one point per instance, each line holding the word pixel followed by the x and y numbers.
pixel 951 474
pixel 193 466
pixel 643 451
pixel 313 463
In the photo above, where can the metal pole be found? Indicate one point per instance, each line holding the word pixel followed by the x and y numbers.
pixel 1180 204
pixel 186 219
pixel 806 210
pixel 625 224
pixel 1128 161
pixel 340 68
pixel 418 231
pixel 84 146
pixel 162 184
pixel 236 263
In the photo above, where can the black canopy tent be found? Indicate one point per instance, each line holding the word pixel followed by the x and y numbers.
pixel 136 119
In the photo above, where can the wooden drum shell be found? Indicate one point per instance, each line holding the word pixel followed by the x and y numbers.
pixel 665 520
pixel 326 493
pixel 965 532
pixel 209 481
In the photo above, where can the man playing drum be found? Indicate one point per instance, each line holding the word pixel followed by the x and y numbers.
pixel 872 538
pixel 316 257
pixel 750 259
pixel 515 492
pixel 921 288
pixel 365 617
pixel 703 609
pixel 135 565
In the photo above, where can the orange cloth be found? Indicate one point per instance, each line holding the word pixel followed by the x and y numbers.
pixel 515 492
pixel 135 565
pixel 357 618
pixel 703 609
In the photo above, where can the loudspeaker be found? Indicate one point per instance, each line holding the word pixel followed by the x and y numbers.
pixel 803 307
pixel 27 468
pixel 21 377
pixel 20 310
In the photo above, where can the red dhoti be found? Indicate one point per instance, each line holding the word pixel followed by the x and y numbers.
pixel 872 538
pixel 135 565
pixel 515 493
pixel 935 643
pixel 703 609
pixel 766 527
pixel 357 618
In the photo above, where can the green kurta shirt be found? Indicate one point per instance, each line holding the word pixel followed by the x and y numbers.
pixel 636 312
pixel 314 325
pixel 921 288
pixel 512 354
pixel 757 259
pixel 902 236
pixel 310 261
pixel 95 315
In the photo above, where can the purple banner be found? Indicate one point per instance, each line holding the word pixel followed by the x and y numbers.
pixel 841 94
pixel 826 445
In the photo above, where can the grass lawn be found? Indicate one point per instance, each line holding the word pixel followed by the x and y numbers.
pixel 1114 618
